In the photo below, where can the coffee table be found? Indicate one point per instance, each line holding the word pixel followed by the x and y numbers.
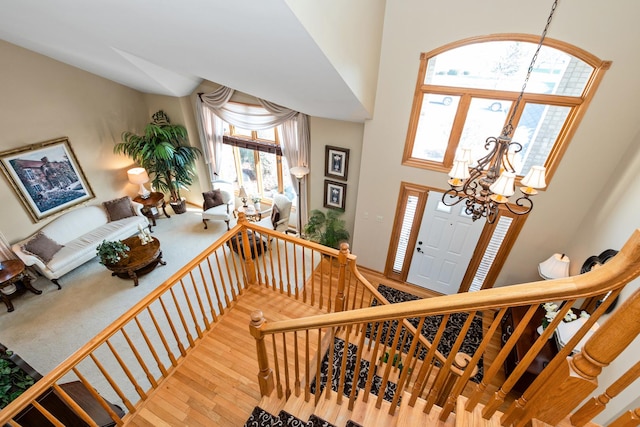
pixel 141 260
pixel 12 271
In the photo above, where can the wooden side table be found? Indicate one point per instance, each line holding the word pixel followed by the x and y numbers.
pixel 151 205
pixel 11 272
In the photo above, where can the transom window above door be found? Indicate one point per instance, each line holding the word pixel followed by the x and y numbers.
pixel 466 91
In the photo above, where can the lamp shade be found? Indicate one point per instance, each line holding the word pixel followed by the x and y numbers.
pixel 503 187
pixel 460 169
pixel 243 193
pixel 299 171
pixel 139 176
pixel 555 267
pixel 535 178
pixel 464 154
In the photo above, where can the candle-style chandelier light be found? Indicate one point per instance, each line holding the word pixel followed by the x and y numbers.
pixel 489 184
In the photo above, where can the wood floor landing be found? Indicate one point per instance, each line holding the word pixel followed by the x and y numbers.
pixel 216 384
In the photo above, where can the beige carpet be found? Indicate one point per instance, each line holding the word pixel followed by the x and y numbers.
pixel 46 329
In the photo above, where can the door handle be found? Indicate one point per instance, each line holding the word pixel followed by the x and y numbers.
pixel 419 250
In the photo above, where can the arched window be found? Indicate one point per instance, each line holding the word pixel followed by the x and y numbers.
pixel 466 91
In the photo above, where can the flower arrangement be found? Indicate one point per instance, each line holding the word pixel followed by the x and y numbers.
pixel 551 309
pixel 256 199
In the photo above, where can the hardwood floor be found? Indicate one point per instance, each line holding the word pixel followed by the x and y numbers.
pixel 216 384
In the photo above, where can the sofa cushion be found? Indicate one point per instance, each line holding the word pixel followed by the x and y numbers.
pixel 119 208
pixel 275 215
pixel 212 199
pixel 42 247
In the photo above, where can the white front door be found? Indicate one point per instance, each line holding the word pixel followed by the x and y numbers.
pixel 445 245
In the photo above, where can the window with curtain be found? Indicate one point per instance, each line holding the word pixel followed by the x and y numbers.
pixel 253 159
pixel 466 91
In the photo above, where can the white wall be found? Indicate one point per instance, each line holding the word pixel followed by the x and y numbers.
pixel 354 50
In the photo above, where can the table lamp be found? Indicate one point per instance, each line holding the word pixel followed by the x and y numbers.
pixel 243 196
pixel 138 176
pixel 555 267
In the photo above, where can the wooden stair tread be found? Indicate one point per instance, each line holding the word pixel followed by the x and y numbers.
pixel 474 418
pixel 414 416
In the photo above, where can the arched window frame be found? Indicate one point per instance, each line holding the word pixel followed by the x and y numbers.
pixel 577 104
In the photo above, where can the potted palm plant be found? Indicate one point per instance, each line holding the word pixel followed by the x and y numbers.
pixel 165 153
pixel 327 229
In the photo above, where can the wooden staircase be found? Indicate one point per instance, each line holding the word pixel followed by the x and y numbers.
pixel 180 356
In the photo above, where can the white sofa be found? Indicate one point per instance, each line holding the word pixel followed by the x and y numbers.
pixel 80 231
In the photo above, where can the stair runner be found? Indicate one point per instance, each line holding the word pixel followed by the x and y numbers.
pixel 376 383
pixel 261 418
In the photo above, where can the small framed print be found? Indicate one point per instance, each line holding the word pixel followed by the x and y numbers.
pixel 334 194
pixel 46 177
pixel 336 162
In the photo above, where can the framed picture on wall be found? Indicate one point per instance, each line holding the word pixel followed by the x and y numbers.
pixel 334 194
pixel 336 163
pixel 46 177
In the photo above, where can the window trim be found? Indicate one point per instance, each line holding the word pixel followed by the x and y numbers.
pixel 578 105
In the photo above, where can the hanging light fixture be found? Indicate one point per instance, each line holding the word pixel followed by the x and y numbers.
pixel 490 183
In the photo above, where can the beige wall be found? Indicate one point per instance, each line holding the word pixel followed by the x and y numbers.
pixel 608 226
pixel 339 134
pixel 44 99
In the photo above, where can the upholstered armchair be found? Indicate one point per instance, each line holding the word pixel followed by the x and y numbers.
pixel 277 217
pixel 219 203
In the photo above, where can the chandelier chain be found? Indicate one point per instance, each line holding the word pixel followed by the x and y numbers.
pixel 509 126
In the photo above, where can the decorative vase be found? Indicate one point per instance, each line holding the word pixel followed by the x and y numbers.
pixel 257 206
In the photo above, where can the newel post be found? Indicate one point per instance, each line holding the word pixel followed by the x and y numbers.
pixel 246 249
pixel 265 374
pixel 577 377
pixel 342 260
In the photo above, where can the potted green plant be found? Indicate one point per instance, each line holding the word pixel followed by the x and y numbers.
pixel 13 379
pixel 327 229
pixel 111 251
pixel 166 155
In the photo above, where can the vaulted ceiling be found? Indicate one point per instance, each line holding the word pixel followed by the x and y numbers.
pixel 170 47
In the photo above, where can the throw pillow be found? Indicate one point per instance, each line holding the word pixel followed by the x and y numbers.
pixel 212 199
pixel 275 215
pixel 42 247
pixel 119 208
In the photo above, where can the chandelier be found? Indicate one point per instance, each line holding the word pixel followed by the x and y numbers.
pixel 490 183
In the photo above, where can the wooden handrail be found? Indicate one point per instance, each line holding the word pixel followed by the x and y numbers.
pixel 622 268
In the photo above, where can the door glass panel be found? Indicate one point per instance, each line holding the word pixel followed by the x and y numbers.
pixel 434 128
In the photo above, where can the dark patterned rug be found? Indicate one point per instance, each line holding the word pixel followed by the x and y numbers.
pixel 261 418
pixel 376 382
pixel 432 323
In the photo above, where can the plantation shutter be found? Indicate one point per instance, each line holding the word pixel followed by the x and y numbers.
pixel 405 232
pixel 489 256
